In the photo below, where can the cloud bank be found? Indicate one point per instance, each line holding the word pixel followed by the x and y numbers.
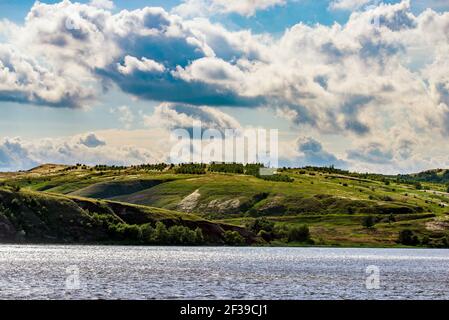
pixel 18 154
pixel 381 79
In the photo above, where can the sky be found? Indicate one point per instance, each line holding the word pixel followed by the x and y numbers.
pixel 359 84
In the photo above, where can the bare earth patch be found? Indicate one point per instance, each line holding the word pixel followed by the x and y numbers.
pixel 438 224
pixel 189 203
pixel 224 205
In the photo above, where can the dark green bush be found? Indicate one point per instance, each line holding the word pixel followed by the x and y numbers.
pixel 267 236
pixel 277 178
pixel 123 231
pixel 425 240
pixel 233 238
pixel 148 233
pixel 191 168
pixel 408 237
pixel 227 167
pixel 199 236
pixel 299 233
pixel 260 224
pixel 368 222
pixel 161 233
pixel 180 235
pixel 280 231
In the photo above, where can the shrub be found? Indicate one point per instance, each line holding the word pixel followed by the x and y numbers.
pixel 277 178
pixel 227 167
pixel 199 236
pixel 425 240
pixel 180 235
pixel 233 238
pixel 445 242
pixel 280 231
pixel 407 237
pixel 267 236
pixel 177 235
pixel 128 232
pixel 261 224
pixel 148 233
pixel 15 205
pixel 253 169
pixel 368 222
pixel 300 234
pixel 191 168
pixel 252 212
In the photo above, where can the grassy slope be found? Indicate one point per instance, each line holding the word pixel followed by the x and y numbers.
pixel 333 205
pixel 46 217
pixel 440 176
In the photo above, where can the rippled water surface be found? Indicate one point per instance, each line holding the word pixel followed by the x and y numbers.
pixel 115 272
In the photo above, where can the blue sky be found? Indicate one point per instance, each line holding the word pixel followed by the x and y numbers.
pixel 370 98
pixel 275 19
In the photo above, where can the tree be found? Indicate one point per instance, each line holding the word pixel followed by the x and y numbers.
pixel 182 235
pixel 233 238
pixel 148 233
pixel 161 233
pixel 418 186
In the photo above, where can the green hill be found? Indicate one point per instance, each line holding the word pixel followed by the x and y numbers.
pixel 434 176
pixel 43 217
pixel 334 204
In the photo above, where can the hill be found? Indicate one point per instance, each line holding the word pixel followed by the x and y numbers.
pixel 41 217
pixel 434 176
pixel 334 204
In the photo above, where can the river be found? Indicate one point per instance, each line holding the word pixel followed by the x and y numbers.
pixel 120 272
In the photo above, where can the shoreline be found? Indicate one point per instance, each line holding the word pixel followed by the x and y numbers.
pixel 211 246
